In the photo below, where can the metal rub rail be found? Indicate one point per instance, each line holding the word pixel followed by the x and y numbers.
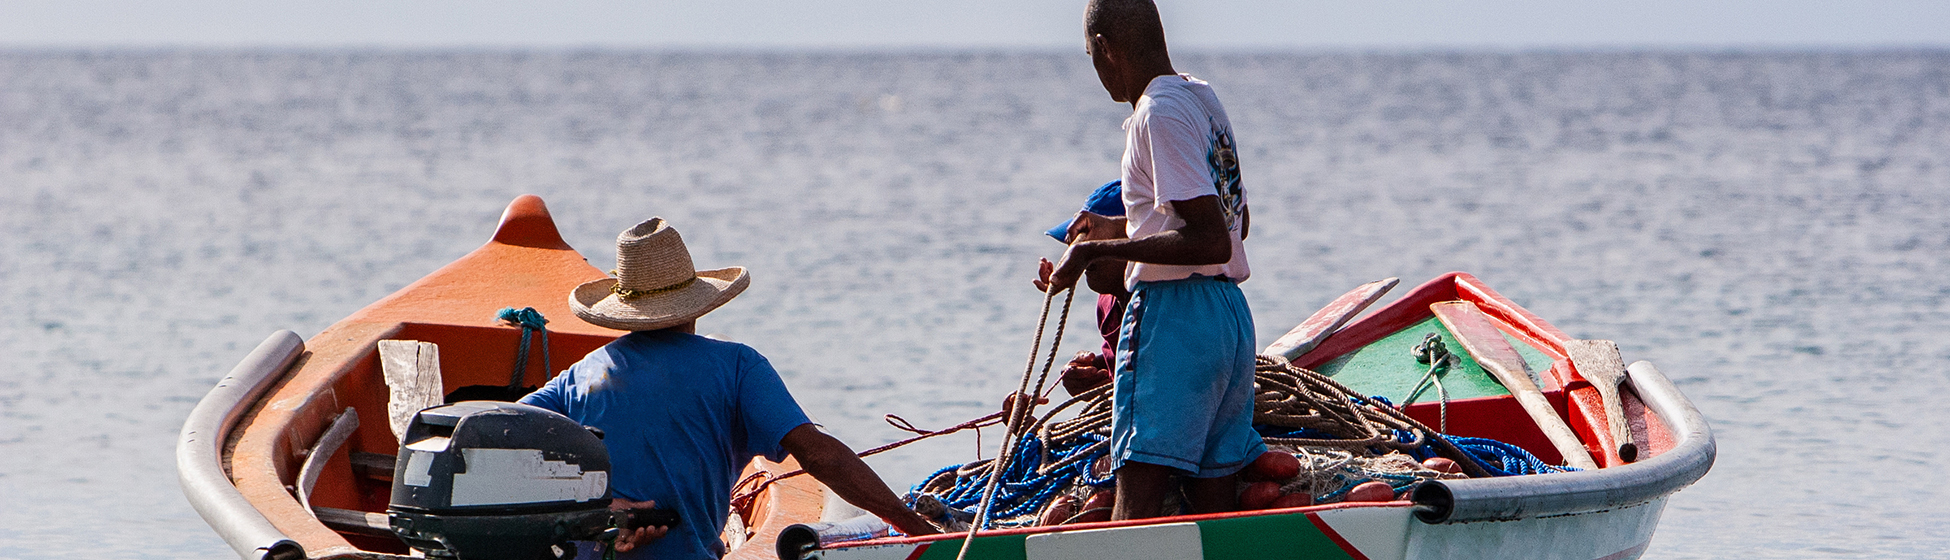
pixel 199 461
pixel 1520 497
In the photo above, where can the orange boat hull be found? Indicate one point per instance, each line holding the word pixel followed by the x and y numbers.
pixel 525 265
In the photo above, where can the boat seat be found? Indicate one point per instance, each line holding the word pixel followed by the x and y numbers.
pixel 354 521
pixel 375 466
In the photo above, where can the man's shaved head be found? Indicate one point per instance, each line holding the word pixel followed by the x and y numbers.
pixel 1131 26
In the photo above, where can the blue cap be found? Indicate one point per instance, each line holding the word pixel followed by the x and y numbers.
pixel 1107 200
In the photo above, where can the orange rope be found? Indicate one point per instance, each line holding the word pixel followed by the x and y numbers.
pixel 741 496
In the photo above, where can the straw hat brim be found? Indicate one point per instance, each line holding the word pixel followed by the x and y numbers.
pixel 596 303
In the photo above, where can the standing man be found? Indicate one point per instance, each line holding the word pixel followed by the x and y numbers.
pixel 1183 387
pixel 682 414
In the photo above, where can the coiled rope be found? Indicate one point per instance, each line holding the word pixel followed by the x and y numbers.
pixel 1346 438
pixel 1064 452
pixel 1317 411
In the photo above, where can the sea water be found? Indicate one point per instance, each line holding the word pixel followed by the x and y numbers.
pixel 1768 228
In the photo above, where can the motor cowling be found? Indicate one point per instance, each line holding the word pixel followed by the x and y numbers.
pixel 483 480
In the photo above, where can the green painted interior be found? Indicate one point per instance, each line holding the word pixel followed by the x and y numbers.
pixel 1388 367
pixel 1005 547
pixel 1276 537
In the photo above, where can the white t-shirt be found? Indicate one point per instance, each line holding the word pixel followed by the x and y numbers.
pixel 1178 146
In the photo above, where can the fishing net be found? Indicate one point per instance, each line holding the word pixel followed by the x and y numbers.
pixel 1341 439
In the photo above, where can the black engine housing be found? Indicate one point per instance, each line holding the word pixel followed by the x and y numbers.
pixel 485 480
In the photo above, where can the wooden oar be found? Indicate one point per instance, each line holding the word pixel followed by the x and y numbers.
pixel 1323 323
pixel 1598 361
pixel 1485 343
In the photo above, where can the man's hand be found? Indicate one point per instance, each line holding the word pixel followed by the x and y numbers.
pixel 1056 277
pixel 1202 240
pixel 1014 400
pixel 1085 227
pixel 1085 372
pixel 1088 226
pixel 632 538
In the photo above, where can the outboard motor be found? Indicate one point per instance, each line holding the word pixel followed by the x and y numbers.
pixel 484 480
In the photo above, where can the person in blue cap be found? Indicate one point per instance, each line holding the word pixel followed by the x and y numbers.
pixel 1182 397
pixel 1106 277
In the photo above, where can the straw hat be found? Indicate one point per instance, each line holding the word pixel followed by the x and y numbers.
pixel 655 285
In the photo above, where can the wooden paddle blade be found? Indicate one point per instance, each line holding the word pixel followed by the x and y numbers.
pixel 1311 332
pixel 1486 344
pixel 1598 361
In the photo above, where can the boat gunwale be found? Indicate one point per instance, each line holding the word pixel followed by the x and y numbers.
pixel 1567 493
pixel 1188 518
pixel 200 451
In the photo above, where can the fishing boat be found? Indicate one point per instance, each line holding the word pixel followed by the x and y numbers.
pixel 1640 446
pixel 277 460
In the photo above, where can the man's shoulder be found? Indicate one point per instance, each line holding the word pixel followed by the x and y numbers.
pixel 1173 99
pixel 654 342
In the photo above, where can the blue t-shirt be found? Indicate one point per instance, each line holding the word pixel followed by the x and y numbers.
pixel 681 415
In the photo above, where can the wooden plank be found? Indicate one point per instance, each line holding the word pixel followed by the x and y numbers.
pixel 354 521
pixel 1486 344
pixel 412 380
pixel 1311 332
pixel 378 466
pixel 1598 361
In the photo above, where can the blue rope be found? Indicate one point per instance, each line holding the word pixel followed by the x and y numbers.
pixel 1496 457
pixel 530 321
pixel 1022 490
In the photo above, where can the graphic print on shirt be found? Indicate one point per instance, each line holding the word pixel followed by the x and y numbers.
pixel 1224 162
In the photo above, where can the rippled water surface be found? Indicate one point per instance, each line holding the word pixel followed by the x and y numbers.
pixel 1768 228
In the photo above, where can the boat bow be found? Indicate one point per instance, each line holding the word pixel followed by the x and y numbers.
pixel 1518 497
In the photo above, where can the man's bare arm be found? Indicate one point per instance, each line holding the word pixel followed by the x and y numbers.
pixel 1105 276
pixel 1202 240
pixel 834 464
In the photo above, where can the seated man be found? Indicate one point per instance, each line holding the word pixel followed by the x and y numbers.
pixel 683 414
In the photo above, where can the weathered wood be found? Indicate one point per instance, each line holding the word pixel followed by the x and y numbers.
pixel 1485 343
pixel 354 521
pixel 377 466
pixel 1599 362
pixel 1311 332
pixel 412 380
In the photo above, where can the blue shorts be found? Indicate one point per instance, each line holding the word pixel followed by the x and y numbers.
pixel 1183 395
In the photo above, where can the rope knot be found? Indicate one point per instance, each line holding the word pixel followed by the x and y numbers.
pixel 526 317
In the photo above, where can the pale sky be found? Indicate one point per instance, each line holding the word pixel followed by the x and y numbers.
pixel 930 24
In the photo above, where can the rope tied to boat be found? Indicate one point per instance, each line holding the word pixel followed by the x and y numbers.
pixel 531 322
pixel 1432 352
